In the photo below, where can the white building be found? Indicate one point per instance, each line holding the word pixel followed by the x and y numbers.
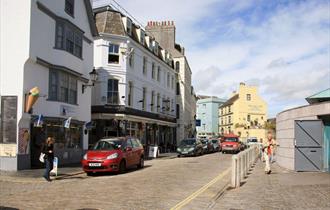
pixel 135 94
pixel 46 44
pixel 164 32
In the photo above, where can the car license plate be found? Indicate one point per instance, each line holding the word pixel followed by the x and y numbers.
pixel 94 164
pixel 184 152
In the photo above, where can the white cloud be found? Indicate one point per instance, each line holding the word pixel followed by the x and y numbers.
pixel 283 47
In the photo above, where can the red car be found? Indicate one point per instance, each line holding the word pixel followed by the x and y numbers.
pixel 231 144
pixel 114 155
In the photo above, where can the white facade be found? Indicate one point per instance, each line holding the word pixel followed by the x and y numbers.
pixel 186 100
pixel 143 101
pixel 28 52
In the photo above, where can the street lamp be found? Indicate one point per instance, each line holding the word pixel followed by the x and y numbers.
pixel 93 75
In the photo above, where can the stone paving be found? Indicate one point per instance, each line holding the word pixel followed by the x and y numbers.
pixel 160 185
pixel 282 189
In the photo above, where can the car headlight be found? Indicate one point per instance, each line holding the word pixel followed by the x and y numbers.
pixel 178 149
pixel 205 147
pixel 191 149
pixel 85 156
pixel 113 156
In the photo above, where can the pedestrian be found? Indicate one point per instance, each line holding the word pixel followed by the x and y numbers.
pixel 261 154
pixel 48 150
pixel 268 146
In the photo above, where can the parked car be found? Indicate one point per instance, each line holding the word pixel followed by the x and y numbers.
pixel 207 146
pixel 216 145
pixel 190 147
pixel 114 155
pixel 231 144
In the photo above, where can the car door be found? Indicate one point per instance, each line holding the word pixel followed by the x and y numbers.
pixel 129 153
pixel 136 151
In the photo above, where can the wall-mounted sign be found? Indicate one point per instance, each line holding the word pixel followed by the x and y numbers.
pixel 67 110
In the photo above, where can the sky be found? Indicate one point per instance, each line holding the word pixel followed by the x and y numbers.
pixel 283 47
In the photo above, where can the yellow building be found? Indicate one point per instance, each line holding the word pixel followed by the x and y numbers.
pixel 244 114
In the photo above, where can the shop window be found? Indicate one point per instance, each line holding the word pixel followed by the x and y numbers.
pixel 113 54
pixel 112 91
pixel 62 87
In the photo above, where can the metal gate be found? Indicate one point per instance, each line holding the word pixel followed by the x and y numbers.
pixel 308 145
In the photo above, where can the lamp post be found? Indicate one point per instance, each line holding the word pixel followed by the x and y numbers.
pixel 93 78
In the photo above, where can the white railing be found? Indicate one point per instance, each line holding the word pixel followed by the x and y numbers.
pixel 241 164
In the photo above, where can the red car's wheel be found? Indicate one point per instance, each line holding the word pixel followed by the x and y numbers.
pixel 122 167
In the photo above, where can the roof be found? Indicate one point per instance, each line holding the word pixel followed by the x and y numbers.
pixel 319 97
pixel 109 21
pixel 230 101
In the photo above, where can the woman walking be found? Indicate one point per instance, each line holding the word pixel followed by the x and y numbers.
pixel 268 147
pixel 48 150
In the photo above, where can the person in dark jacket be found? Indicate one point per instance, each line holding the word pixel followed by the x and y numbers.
pixel 48 150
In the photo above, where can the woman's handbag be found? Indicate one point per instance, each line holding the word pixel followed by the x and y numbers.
pixel 42 157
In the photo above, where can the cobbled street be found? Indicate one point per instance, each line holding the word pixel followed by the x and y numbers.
pixel 162 184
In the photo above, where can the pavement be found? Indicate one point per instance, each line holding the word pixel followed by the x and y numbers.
pixel 282 189
pixel 191 183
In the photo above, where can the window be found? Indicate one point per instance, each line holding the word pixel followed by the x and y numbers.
pixel 248 97
pixel 177 88
pixel 168 79
pixel 177 66
pixel 158 74
pixel 113 53
pixel 152 100
pixel 221 111
pixel 130 93
pixel 135 143
pixel 153 71
pixel 177 111
pixel 68 38
pixel 229 119
pixel 69 7
pixel 248 118
pixel 131 60
pixel 62 87
pixel 144 92
pixel 129 144
pixel 112 91
pixel 158 102
pixel 144 65
pixel 172 83
pixel 229 109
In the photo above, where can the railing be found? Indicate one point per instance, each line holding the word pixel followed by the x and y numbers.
pixel 241 164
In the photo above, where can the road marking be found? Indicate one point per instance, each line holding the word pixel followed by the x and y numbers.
pixel 200 191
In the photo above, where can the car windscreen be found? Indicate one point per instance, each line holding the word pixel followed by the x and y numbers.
pixel 214 141
pixel 231 139
pixel 188 142
pixel 107 145
pixel 253 140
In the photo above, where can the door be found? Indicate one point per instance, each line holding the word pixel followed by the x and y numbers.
pixel 129 153
pixel 308 145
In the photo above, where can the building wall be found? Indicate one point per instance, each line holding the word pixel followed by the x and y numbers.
pixel 239 110
pixel 285 130
pixel 208 112
pixel 126 73
pixel 28 34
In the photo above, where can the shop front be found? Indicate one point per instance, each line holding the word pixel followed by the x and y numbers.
pixel 152 129
pixel 68 146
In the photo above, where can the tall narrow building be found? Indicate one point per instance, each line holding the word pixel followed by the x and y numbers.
pixel 164 33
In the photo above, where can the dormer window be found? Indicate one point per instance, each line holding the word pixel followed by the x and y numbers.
pixel 128 25
pixel 155 47
pixel 69 7
pixel 142 37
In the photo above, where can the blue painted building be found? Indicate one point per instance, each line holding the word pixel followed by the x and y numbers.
pixel 208 113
